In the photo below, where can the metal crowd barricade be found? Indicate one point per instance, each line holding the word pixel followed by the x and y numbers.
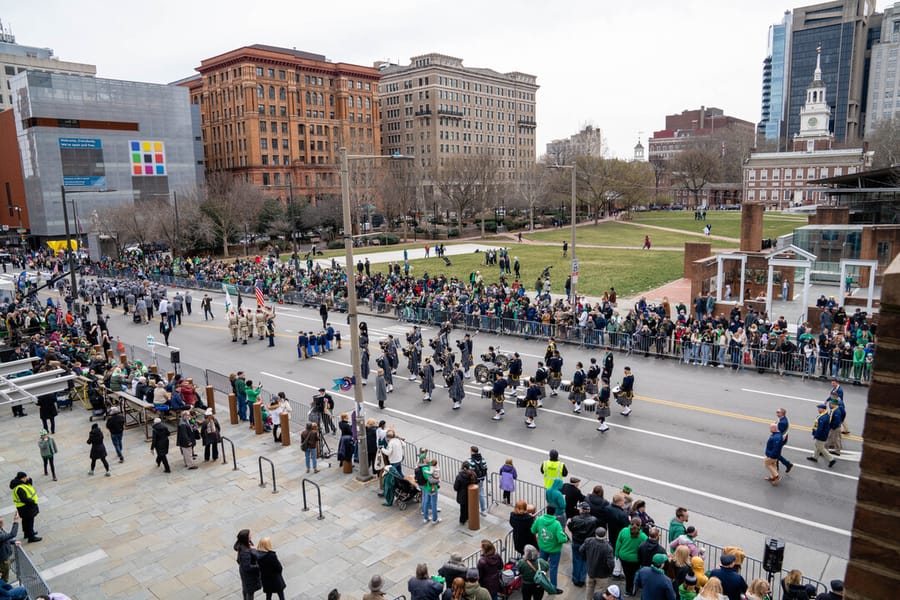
pixel 27 574
pixel 531 493
pixel 410 455
pixel 220 382
pixel 471 560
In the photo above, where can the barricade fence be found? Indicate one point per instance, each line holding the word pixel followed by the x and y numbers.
pixel 764 360
pixel 27 574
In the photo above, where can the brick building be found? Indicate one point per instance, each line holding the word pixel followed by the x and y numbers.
pixel 277 117
pixel 692 126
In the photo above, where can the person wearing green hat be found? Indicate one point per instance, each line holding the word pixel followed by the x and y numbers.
pixel 652 581
pixel 47 446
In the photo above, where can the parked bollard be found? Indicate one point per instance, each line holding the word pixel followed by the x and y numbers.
pixel 474 508
pixel 285 429
pixel 211 398
pixel 123 359
pixel 257 418
pixel 170 375
pixel 232 408
pixel 110 355
pixel 154 369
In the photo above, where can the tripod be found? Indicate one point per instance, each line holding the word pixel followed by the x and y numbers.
pixel 323 450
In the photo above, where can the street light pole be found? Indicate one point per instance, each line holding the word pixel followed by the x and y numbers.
pixel 71 255
pixel 177 225
pixel 573 272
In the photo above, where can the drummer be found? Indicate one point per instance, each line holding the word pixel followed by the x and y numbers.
pixel 497 398
pixel 555 365
pixel 540 380
pixel 603 406
pixel 515 370
pixel 626 393
pixel 593 375
pixel 532 399
pixel 576 395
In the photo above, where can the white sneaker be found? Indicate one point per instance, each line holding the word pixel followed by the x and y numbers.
pixel 502 412
pixel 577 409
pixel 553 393
pixel 412 378
pixel 531 425
pixel 540 404
pixel 603 427
pixel 457 405
pixel 494 418
pixel 627 411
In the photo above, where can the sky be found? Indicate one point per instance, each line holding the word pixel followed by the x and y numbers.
pixel 619 66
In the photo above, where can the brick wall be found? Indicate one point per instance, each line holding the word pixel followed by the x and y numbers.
pixel 872 573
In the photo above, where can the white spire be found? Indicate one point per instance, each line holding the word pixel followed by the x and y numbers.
pixel 817 74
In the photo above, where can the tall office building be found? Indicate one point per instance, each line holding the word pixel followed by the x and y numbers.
pixel 884 85
pixel 587 142
pixel 277 117
pixel 436 109
pixel 776 77
pixel 839 28
pixel 16 58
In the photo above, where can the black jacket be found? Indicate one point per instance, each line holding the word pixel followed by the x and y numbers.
pixel 461 486
pixel 573 497
pixel 616 520
pixel 521 530
pixel 582 527
pixel 47 405
pixel 95 439
pixel 598 508
pixel 160 441
pixel 6 540
pixel 646 551
pixel 185 435
pixel 270 572
pixel 116 423
pixel 599 557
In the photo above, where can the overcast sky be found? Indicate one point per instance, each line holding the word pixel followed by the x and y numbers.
pixel 621 66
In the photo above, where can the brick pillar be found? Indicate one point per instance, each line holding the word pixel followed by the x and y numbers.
pixel 751 226
pixel 872 572
pixel 695 251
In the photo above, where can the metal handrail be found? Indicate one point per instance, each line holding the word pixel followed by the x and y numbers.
pixel 28 575
pixel 318 494
pixel 262 481
pixel 222 441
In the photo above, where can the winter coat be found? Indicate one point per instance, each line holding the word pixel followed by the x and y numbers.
pixel 627 545
pixel 116 423
pixel 521 530
pixel 424 589
pixel 598 508
pixel 47 405
pixel 160 442
pixel 248 566
pixel 599 556
pixel 555 497
pixel 95 439
pixel 185 435
pixel 270 572
pixel 508 476
pixel 550 534
pixel 489 568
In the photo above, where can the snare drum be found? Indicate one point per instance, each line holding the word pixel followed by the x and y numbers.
pixel 520 400
pixel 487 391
pixel 565 385
pixel 589 404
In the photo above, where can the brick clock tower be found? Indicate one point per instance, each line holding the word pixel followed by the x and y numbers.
pixel 815 116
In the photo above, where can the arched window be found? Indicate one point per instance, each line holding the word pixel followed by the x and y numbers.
pixel 307 98
pixel 260 91
pixel 271 92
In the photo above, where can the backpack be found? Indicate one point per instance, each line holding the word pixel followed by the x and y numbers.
pixel 480 468
pixel 420 476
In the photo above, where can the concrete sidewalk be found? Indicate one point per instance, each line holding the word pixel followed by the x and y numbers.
pixel 141 534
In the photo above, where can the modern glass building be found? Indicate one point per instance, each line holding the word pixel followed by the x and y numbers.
pixel 776 70
pixel 135 141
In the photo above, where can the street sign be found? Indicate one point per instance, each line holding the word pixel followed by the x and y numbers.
pixel 574 270
pixel 21 230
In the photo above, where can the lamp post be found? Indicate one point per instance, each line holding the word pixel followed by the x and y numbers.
pixel 352 314
pixel 574 269
pixel 71 254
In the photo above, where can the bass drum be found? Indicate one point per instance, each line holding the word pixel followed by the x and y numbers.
pixel 502 361
pixel 482 374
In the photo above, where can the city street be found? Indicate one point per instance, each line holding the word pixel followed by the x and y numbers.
pixel 695 438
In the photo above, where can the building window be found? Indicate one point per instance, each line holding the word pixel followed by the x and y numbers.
pixel 259 71
pixel 266 179
pixel 281 75
pixel 271 73
pixel 262 126
pixel 260 91
pixel 263 143
pixel 265 159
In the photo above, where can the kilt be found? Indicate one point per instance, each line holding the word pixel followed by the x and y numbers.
pixel 543 390
pixel 554 380
pixel 530 412
pixel 624 398
pixel 591 388
pixel 497 402
pixel 577 393
pixel 565 385
pixel 603 410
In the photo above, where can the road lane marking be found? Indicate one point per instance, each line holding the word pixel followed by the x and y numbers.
pixel 782 396
pixel 626 474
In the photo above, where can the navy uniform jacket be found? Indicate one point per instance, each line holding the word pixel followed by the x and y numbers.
pixel 627 384
pixel 821 427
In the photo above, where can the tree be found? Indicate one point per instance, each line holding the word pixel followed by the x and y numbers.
pixel 230 204
pixel 463 182
pixel 533 189
pixel 884 141
pixel 595 183
pixel 660 168
pixel 693 168
pixel 399 190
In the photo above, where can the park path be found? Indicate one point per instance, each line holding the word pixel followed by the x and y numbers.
pixel 683 231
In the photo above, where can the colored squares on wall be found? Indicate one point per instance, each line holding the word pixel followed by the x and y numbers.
pixel 147 157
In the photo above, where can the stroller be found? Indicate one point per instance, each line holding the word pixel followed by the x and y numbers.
pixel 396 487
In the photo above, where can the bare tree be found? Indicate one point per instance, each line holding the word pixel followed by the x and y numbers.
pixel 461 181
pixel 884 141
pixel 693 168
pixel 399 190
pixel 230 204
pixel 533 189
pixel 595 183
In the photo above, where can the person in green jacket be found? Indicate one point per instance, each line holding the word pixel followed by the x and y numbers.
pixel 677 525
pixel 555 498
pixel 527 567
pixel 627 551
pixel 252 397
pixel 550 538
pixel 47 446
pixel 240 390
pixel 859 359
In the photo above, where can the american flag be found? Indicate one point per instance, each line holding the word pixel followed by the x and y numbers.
pixel 260 298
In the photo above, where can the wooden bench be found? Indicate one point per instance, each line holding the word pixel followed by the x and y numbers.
pixel 139 412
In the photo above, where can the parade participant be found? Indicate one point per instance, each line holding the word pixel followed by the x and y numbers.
pixel 577 395
pixel 384 363
pixel 206 305
pixel 553 468
pixel 820 430
pixel 773 451
pixel 606 373
pixel 380 388
pixel 465 355
pixel 838 416
pixel 626 391
pixel 427 385
pixel 603 406
pixel 457 387
pixel 593 376
pixel 302 343
pixel 532 398
pixel 555 365
pixel 364 367
pixel 783 426
pixel 515 370
pixel 540 380
pixel 412 355
pixel 260 322
pixel 551 349
pixel 497 398
pixel 244 327
pixel 270 329
pixel 233 325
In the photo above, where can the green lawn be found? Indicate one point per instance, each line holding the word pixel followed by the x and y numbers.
pixel 609 233
pixel 629 271
pixel 725 223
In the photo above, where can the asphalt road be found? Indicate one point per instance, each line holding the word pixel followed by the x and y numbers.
pixel 695 438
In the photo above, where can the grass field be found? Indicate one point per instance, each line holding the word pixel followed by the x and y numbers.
pixel 621 234
pixel 725 223
pixel 629 271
